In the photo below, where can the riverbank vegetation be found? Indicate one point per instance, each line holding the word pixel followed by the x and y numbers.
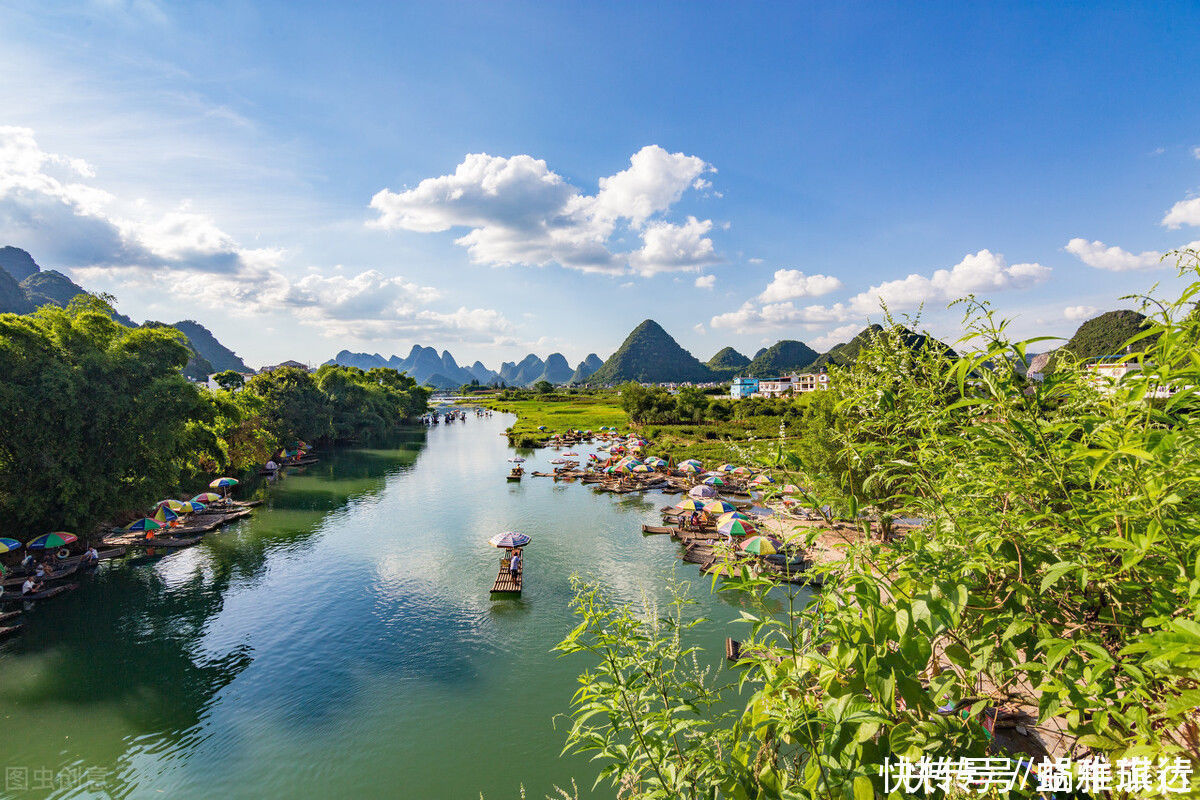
pixel 1056 578
pixel 556 412
pixel 96 417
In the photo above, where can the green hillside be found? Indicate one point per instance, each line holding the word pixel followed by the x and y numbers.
pixel 1107 334
pixel 780 358
pixel 728 359
pixel 847 353
pixel 650 355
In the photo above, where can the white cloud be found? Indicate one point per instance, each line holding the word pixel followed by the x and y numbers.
pixel 1077 313
pixel 981 272
pixel 1185 212
pixel 839 335
pixel 699 328
pixel 788 284
pixel 706 281
pixel 518 211
pixel 1095 254
pixel 1196 152
pixel 750 317
pixel 754 260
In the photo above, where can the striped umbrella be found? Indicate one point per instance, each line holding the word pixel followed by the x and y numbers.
pixel 174 505
pixel 51 541
pixel 718 507
pixel 713 480
pixel 791 488
pixel 221 483
pixel 641 468
pixel 190 507
pixel 726 468
pixel 655 461
pixel 736 527
pixel 8 545
pixel 731 516
pixel 206 497
pixel 759 546
pixel 690 505
pixel 165 514
pixel 143 524
pixel 763 479
pixel 702 492
pixel 692 468
pixel 742 470
pixel 509 539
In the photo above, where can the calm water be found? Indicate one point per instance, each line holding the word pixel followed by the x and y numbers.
pixel 340 641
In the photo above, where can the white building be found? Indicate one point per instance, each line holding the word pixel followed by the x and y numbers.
pixel 796 383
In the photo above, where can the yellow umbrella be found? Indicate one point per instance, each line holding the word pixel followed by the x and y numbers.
pixel 174 505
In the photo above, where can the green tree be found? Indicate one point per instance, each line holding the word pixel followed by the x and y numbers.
pixel 230 380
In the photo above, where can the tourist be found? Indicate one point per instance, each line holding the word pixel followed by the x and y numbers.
pixel 514 563
pixel 91 557
pixel 31 586
pixel 28 563
pixel 44 570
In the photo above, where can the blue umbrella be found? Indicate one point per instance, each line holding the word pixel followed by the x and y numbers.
pixel 509 539
pixel 8 545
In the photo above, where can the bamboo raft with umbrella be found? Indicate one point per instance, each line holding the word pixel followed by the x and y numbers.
pixel 513 543
pixel 45 594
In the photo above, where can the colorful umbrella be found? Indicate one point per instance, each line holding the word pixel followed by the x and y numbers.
pixel 718 507
pixel 541 427
pixel 655 461
pixel 206 497
pixel 690 505
pixel 791 488
pixel 165 514
pixel 730 517
pixel 190 507
pixel 642 468
pixel 736 527
pixel 702 492
pixel 221 483
pixel 742 471
pixel 714 480
pixel 509 539
pixel 688 461
pixel 51 541
pixel 763 479
pixel 570 454
pixel 689 468
pixel 759 546
pixel 8 545
pixel 517 460
pixel 143 524
pixel 726 468
pixel 174 505
pixel 558 461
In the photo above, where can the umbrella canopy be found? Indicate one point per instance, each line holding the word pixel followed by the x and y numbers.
pixel 50 541
pixel 691 461
pixel 165 514
pixel 636 441
pixel 641 468
pixel 702 492
pixel 541 427
pixel 655 461
pixel 736 527
pixel 143 524
pixel 8 545
pixel 206 497
pixel 517 460
pixel 729 515
pixel 742 471
pixel 714 480
pixel 718 507
pixel 763 479
pixel 174 505
pixel 689 468
pixel 223 482
pixel 570 454
pixel 190 507
pixel 760 546
pixel 509 539
pixel 726 468
pixel 791 488
pixel 690 505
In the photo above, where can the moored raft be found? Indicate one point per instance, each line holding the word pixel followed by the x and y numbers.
pixel 54 591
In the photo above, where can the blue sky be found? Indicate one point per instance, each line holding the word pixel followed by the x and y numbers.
pixel 500 178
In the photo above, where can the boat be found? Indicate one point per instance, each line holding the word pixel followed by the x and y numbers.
pixel 659 529
pixel 9 631
pixel 516 474
pixel 166 541
pixel 105 554
pixel 506 582
pixel 53 591
pixel 59 573
pixel 9 617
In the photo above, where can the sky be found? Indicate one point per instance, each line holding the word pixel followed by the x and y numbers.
pixel 500 178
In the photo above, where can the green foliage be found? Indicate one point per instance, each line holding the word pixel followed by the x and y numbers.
pixel 230 380
pixel 543 387
pixel 780 358
pixel 1106 335
pixel 1059 568
pixel 728 359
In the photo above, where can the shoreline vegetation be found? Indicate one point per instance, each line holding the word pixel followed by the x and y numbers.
pixel 97 422
pixel 1045 609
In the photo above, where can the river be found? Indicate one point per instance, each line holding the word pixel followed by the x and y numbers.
pixel 342 641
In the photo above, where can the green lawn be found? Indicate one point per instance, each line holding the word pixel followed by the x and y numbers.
pixel 558 413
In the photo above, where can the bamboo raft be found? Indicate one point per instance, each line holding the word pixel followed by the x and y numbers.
pixel 9 631
pixel 162 541
pixel 506 582
pixel 54 591
pixel 60 573
pixel 649 529
pixel 105 555
pixel 9 617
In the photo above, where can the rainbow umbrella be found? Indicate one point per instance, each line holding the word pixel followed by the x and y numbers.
pixel 165 514
pixel 190 507
pixel 689 468
pixel 174 505
pixel 143 524
pixel 718 507
pixel 714 480
pixel 736 527
pixel 730 517
pixel 742 471
pixel 642 468
pixel 726 468
pixel 689 461
pixel 763 479
pixel 509 539
pixel 759 546
pixel 702 492
pixel 791 488
pixel 206 497
pixel 690 505
pixel 50 541
pixel 221 483
pixel 8 545
pixel 517 460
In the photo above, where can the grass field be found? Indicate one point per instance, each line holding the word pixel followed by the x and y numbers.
pixel 712 442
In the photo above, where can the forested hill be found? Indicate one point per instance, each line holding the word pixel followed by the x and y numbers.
pixel 728 359
pixel 781 358
pixel 1107 334
pixel 650 355
pixel 847 353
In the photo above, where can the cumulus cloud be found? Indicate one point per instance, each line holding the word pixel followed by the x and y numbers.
pixel 706 281
pixel 1185 212
pixel 839 335
pixel 518 211
pixel 788 284
pixel 1115 259
pixel 751 317
pixel 1077 313
pixel 984 271
pixel 48 204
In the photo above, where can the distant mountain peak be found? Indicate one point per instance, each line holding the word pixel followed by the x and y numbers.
pixel 17 263
pixel 649 354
